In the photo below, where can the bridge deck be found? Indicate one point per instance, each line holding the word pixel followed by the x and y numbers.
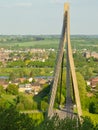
pixel 63 113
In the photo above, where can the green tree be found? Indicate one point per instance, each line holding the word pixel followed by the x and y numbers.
pixel 88 73
pixel 55 123
pixel 82 89
pixel 87 124
pixel 93 105
pixel 44 106
pixel 24 102
pixel 12 89
pixel 10 119
pixel 1 90
pixel 12 76
pixel 97 86
pixel 20 106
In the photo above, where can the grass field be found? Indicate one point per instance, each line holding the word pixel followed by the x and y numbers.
pixel 48 43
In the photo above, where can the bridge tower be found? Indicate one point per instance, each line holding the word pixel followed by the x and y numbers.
pixel 70 73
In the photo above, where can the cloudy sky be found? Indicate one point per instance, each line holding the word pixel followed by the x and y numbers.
pixel 46 16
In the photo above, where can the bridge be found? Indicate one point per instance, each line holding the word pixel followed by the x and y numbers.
pixel 71 80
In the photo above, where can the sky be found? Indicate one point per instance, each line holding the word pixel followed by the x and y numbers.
pixel 42 17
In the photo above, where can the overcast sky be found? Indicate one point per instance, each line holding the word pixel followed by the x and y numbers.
pixel 46 16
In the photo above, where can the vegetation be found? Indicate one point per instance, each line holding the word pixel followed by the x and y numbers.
pixel 28 41
pixel 12 89
pixel 11 119
pixel 85 68
pixel 67 124
pixel 13 73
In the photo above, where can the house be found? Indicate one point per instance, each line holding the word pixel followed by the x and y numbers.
pixel 88 54
pixel 93 82
pixel 21 80
pixel 25 88
pixel 3 81
pixel 36 87
pixel 21 88
pixel 28 90
pixel 94 54
pixel 42 81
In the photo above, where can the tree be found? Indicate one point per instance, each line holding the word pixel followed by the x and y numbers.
pixel 55 123
pixel 11 76
pixel 82 89
pixel 24 102
pixel 44 105
pixel 20 106
pixel 11 119
pixel 97 86
pixel 1 90
pixel 88 73
pixel 12 89
pixel 31 74
pixel 93 105
pixel 87 124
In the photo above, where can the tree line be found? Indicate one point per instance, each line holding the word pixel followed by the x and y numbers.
pixel 11 119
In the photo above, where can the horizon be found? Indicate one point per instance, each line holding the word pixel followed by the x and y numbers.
pixel 47 35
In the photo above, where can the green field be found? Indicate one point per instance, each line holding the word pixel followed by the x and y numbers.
pixel 47 43
pixel 78 42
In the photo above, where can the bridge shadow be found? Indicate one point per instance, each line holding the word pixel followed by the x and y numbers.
pixel 43 95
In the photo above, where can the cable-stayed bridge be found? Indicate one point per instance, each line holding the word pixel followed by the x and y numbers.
pixel 71 80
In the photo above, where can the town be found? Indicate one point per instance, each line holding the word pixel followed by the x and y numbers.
pixel 33 85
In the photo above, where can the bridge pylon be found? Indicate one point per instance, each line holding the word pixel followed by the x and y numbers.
pixel 71 80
